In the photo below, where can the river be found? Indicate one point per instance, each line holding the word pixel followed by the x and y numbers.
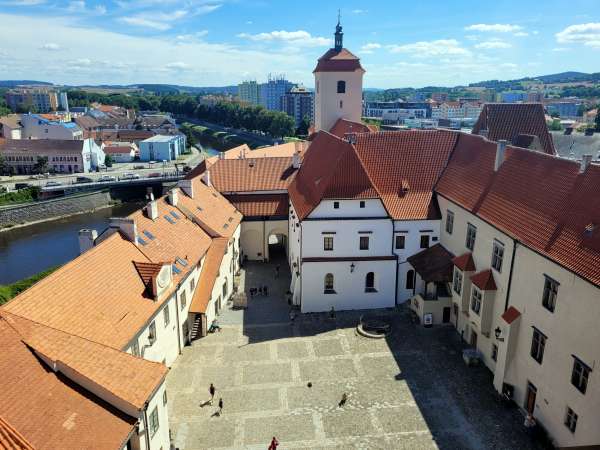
pixel 31 249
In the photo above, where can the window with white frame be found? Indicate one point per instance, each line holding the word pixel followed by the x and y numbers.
pixel 182 299
pixel 166 317
pixel 364 243
pixel 192 284
pixel 424 241
pixel 471 236
pixel 328 243
pixel 152 333
pixel 328 287
pixel 476 300
pixel 571 420
pixel 580 374
pixel 165 398
pixel 457 281
pixel 550 293
pixel 538 344
pixel 449 222
pixel 400 242
pixel 153 422
pixel 370 282
pixel 497 255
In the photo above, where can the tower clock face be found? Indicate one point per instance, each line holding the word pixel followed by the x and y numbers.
pixel 163 278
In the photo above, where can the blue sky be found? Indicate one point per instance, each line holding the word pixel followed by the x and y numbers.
pixel 219 42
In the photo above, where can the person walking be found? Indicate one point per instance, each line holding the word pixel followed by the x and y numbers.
pixel 220 406
pixel 211 391
pixel 274 444
pixel 343 400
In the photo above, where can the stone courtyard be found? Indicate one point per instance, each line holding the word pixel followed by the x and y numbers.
pixel 408 391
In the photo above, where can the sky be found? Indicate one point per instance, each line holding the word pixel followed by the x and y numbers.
pixel 220 42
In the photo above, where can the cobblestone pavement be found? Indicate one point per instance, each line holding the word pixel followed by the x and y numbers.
pixel 409 391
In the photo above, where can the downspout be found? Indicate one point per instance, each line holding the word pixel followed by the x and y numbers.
pixel 397 266
pixel 178 323
pixel 510 275
pixel 300 263
pixel 146 426
pixel 265 244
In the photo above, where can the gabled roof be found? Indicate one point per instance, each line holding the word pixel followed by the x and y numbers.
pixel 484 280
pixel 208 276
pixel 465 262
pixel 118 149
pixel 434 264
pixel 43 146
pixel 540 200
pixel 49 410
pixel 11 121
pixel 331 170
pixel 260 205
pixel 274 151
pixel 252 174
pixel 511 314
pixel 509 120
pixel 334 61
pixel 341 127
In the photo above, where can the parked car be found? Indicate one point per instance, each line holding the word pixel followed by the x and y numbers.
pixel 105 178
pixel 83 180
pixel 53 184
pixel 154 175
pixel 22 186
pixel 139 166
pixel 130 176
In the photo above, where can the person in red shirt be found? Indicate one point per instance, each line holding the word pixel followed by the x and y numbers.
pixel 274 444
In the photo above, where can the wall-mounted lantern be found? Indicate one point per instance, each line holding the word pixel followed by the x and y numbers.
pixel 352 266
pixel 498 333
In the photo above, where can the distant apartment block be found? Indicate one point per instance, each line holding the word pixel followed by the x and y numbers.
pixel 32 99
pixel 299 103
pixel 162 147
pixel 439 97
pixel 513 96
pixel 249 92
pixel 565 109
pixel 396 112
pixel 272 92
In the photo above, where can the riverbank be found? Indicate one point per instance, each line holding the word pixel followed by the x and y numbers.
pixel 9 291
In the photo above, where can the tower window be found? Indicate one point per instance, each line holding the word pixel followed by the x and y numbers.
pixel 341 104
pixel 341 87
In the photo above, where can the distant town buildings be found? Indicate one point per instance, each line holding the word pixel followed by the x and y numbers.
pixel 162 147
pixel 396 112
pixel 299 103
pixel 40 100
pixel 249 92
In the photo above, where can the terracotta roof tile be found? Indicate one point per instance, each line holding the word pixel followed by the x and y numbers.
pixel 334 61
pixel 275 151
pixel 117 149
pixel 49 410
pixel 342 127
pixel 484 280
pixel 147 270
pixel 434 264
pixel 542 201
pixel 11 439
pixel 252 174
pixel 261 205
pixel 465 262
pixel 511 314
pixel 509 120
pixel 208 276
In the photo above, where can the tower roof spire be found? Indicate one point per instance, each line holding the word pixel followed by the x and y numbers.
pixel 339 35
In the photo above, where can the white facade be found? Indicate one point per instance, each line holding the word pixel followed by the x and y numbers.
pixel 255 234
pixel 37 127
pixel 331 105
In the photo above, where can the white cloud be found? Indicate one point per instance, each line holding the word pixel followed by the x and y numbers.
pixel 299 38
pixel 100 9
pixel 494 28
pixel 359 11
pixel 76 6
pixel 146 23
pixel 587 34
pixel 177 66
pixel 24 2
pixel 50 46
pixel 426 49
pixel 494 44
pixel 368 48
pixel 191 37
pixel 522 34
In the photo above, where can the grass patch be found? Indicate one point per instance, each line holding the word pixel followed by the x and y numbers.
pixel 8 291
pixel 29 194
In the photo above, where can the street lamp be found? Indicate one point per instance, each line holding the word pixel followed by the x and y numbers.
pixel 498 332
pixel 352 266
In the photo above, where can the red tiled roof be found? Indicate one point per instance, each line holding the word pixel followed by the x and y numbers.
pixel 484 280
pixel 208 276
pixel 509 120
pixel 542 201
pixel 342 127
pixel 465 262
pixel 11 439
pixel 434 264
pixel 260 205
pixel 334 61
pixel 252 174
pixel 511 314
pixel 147 270
pixel 117 149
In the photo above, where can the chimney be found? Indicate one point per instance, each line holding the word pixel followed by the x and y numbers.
pixel 152 210
pixel 296 162
pixel 173 197
pixel 500 150
pixel 187 187
pixel 586 160
pixel 125 226
pixel 206 178
pixel 87 237
pixel 221 155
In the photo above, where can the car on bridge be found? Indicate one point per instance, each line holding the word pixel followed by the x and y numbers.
pixel 106 178
pixel 53 184
pixel 80 180
pixel 130 176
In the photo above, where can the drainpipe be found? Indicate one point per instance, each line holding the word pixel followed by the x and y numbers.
pixel 178 323
pixel 510 275
pixel 397 266
pixel 147 430
pixel 265 245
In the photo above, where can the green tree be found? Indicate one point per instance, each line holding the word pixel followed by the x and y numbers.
pixel 3 165
pixel 108 160
pixel 303 127
pixel 41 165
pixel 555 125
pixel 597 121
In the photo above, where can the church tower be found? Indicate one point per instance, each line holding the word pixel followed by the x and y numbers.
pixel 338 85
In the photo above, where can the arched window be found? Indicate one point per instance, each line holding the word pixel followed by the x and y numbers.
pixel 329 284
pixel 341 87
pixel 370 282
pixel 410 279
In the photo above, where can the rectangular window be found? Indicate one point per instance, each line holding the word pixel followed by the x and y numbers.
pixel 457 281
pixel 165 398
pixel 328 243
pixel 135 349
pixel 183 300
pixel 475 300
pixel 538 343
pixel 449 222
pixel 425 241
pixel 580 375
pixel 471 235
pixel 362 203
pixel 571 420
pixel 400 242
pixel 364 242
pixel 192 284
pixel 153 422
pixel 166 315
pixel 152 333
pixel 497 255
pixel 550 293
pixel 336 205
pixel 225 289
pixel 494 352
